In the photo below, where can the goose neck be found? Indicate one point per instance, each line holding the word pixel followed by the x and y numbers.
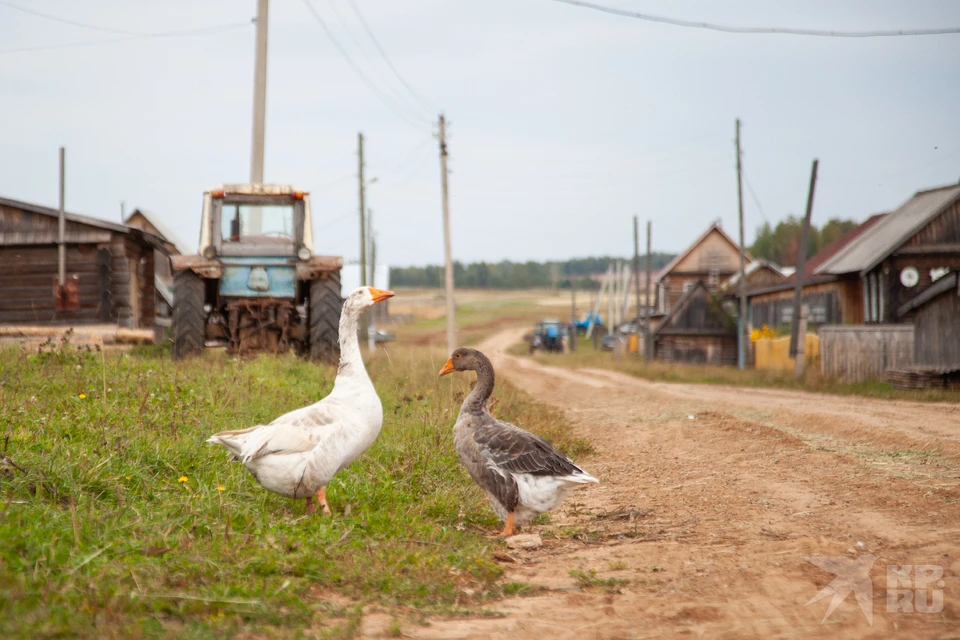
pixel 476 402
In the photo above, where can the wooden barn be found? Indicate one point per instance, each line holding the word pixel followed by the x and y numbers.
pixel 712 259
pixel 830 299
pixel 112 264
pixel 697 330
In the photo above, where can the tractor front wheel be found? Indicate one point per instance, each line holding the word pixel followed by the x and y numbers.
pixel 325 307
pixel 189 317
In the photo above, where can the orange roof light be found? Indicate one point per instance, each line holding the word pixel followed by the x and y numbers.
pixel 216 194
pixel 298 195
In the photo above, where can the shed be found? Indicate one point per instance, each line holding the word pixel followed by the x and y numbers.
pixel 697 330
pixel 114 265
pixel 162 270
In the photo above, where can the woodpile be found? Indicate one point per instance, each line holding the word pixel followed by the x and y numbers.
pixel 920 377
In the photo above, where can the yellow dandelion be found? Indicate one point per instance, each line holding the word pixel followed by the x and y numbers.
pixel 220 487
pixel 82 396
pixel 128 477
pixel 182 479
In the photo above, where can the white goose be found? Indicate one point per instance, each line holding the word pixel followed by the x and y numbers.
pixel 297 454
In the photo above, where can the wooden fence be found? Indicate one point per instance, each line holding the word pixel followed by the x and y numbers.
pixel 864 352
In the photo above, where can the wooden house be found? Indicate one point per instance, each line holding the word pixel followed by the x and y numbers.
pixel 697 330
pixel 712 259
pixel 830 299
pixel 760 273
pixel 892 263
pixel 113 264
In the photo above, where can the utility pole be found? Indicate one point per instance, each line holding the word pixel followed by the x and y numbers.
pixel 648 343
pixel 123 211
pixel 742 336
pixel 62 224
pixel 363 209
pixel 636 277
pixel 259 107
pixel 447 252
pixel 371 313
pixel 796 351
pixel 573 314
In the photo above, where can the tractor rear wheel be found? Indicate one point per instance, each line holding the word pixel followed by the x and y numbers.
pixel 325 307
pixel 189 317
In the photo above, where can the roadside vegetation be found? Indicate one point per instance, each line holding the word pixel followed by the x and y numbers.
pixel 118 520
pixel 586 357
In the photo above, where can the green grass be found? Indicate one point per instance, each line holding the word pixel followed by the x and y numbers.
pixel 118 520
pixel 587 579
pixel 588 357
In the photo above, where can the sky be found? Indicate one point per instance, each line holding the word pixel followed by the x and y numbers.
pixel 563 122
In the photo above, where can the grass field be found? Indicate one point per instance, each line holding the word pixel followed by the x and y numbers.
pixel 118 520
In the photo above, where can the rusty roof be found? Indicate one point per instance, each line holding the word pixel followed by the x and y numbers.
pixel 887 235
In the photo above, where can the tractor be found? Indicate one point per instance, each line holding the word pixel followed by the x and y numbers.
pixel 256 285
pixel 549 335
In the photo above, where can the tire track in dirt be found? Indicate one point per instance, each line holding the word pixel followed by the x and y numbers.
pixel 711 498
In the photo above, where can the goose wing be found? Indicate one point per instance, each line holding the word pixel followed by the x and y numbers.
pixel 295 432
pixel 517 451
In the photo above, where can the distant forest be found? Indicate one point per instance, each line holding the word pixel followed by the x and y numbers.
pixel 517 275
pixel 781 244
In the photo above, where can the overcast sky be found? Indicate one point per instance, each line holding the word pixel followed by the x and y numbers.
pixel 564 122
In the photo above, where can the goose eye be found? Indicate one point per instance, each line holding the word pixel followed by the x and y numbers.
pixel 458 355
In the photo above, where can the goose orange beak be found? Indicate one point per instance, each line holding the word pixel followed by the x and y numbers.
pixel 379 295
pixel 447 368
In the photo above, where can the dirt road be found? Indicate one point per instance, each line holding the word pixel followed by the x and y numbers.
pixel 711 499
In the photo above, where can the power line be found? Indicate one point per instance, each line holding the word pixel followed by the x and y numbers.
pixel 185 33
pixel 357 70
pixel 386 58
pixel 777 30
pixel 399 96
pixel 753 195
pixel 72 23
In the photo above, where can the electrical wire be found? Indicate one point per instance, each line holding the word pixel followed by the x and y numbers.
pixel 72 23
pixel 386 58
pixel 360 74
pixel 184 33
pixel 770 30
pixel 753 194
pixel 401 98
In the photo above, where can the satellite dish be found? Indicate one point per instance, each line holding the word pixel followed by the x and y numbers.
pixel 909 277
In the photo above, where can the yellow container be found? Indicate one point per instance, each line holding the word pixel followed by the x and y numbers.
pixel 773 354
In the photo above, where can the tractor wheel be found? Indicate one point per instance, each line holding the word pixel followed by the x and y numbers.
pixel 325 307
pixel 189 317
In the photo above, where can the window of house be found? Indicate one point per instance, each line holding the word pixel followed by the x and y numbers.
pixel 786 314
pixel 817 314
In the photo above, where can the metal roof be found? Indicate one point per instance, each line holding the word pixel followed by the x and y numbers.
pixel 890 232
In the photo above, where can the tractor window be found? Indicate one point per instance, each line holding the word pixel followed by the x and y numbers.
pixel 249 223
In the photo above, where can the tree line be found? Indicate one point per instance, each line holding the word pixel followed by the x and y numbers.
pixel 781 244
pixel 517 275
